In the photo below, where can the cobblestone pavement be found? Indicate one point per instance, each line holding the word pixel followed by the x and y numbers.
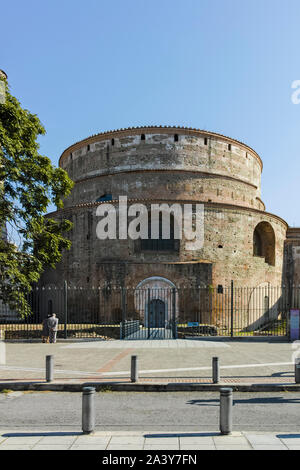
pixel 138 440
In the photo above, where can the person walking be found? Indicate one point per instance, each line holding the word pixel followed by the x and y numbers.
pixel 45 330
pixel 52 325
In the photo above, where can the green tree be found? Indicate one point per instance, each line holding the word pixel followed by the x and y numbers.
pixel 28 184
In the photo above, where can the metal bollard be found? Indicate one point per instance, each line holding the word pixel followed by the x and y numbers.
pixel 215 370
pixel 2 349
pixel 88 410
pixel 134 369
pixel 49 368
pixel 225 410
pixel 297 370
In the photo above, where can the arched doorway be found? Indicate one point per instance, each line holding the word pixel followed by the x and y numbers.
pixel 156 288
pixel 157 313
pixel 156 305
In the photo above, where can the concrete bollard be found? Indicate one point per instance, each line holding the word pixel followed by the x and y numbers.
pixel 297 370
pixel 49 368
pixel 88 410
pixel 215 370
pixel 225 410
pixel 2 349
pixel 134 369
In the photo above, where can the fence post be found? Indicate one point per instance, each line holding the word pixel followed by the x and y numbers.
pixel 2 348
pixel 49 368
pixel 148 314
pixel 134 369
pixel 123 293
pixel 215 370
pixel 174 313
pixel 66 309
pixel 231 311
pixel 225 410
pixel 88 410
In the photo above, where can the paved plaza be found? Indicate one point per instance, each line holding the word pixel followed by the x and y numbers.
pixel 241 361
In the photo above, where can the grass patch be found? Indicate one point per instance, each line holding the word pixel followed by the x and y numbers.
pixel 106 389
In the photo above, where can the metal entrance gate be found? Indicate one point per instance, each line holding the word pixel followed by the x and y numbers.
pixel 148 314
pixel 157 313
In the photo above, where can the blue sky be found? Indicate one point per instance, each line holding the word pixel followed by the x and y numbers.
pixel 220 65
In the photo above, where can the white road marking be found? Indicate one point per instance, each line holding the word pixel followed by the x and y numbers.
pixel 151 371
pixel 187 369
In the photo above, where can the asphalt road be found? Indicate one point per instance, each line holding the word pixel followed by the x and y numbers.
pixel 175 411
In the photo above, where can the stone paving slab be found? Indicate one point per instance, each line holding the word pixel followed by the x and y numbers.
pixel 144 440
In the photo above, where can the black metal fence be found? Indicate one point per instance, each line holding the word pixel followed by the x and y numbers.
pixel 118 312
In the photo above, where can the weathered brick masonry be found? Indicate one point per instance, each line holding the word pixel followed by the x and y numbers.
pixel 242 242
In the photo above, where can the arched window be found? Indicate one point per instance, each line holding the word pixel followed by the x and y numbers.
pixel 104 197
pixel 160 244
pixel 264 242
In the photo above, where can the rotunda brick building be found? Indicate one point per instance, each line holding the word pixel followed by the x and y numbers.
pixel 242 242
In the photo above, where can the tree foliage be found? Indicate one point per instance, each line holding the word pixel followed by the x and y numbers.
pixel 28 184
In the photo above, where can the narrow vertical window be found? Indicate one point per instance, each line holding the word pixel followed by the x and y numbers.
pixel 205 140
pixel 176 138
pixel 88 147
pixel 229 146
pixel 112 141
pixel 143 137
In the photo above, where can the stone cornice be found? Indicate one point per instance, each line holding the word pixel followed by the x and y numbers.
pixel 175 170
pixel 152 130
pixel 213 205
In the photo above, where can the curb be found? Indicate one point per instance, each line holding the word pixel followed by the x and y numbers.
pixel 143 387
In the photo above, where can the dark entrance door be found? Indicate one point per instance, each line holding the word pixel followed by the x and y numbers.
pixel 157 313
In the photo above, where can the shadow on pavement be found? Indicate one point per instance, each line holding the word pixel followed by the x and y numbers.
pixel 257 400
pixel 37 434
pixel 288 436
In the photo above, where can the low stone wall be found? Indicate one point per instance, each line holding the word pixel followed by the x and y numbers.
pixel 101 332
